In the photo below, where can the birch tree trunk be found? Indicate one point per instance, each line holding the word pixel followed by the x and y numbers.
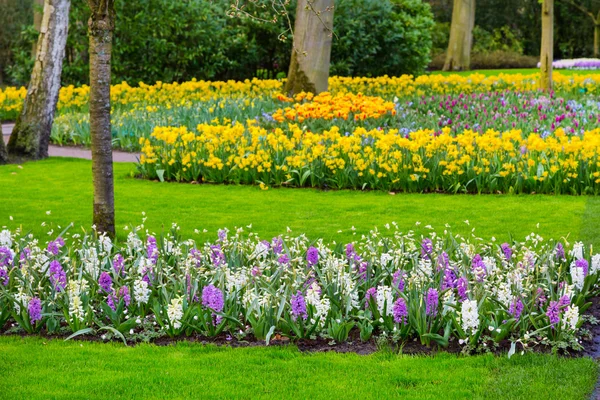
pixel 100 28
pixel 546 53
pixel 311 52
pixel 38 9
pixel 458 56
pixel 31 134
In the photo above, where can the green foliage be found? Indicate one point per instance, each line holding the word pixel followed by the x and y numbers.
pixel 375 37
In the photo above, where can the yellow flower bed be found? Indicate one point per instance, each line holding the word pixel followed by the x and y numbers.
pixel 492 162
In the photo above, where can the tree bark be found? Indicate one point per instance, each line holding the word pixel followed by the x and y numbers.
pixel 458 56
pixel 311 53
pixel 100 27
pixel 596 39
pixel 3 153
pixel 547 52
pixel 38 8
pixel 31 134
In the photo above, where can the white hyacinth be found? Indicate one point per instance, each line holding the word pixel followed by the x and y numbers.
pixel 5 238
pixel 577 251
pixel 175 312
pixel 321 305
pixel 141 291
pixel 595 264
pixel 470 316
pixel 571 317
pixel 76 308
pixel 577 276
pixel 385 298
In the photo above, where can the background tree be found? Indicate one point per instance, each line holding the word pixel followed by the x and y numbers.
pixel 101 26
pixel 594 16
pixel 3 153
pixel 458 56
pixel 38 14
pixel 546 52
pixel 31 134
pixel 311 50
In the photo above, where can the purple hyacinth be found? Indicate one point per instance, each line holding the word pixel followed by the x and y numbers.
pixel 124 294
pixel 564 301
pixel 371 296
pixel 312 256
pixel 362 270
pixel 506 250
pixel 426 247
pixel 449 281
pixel 443 261
pixel 516 308
pixel 217 257
pixel 35 310
pixel 277 245
pixel 4 276
pixel 398 280
pixel 583 264
pixel 432 302
pixel 119 264
pixel 478 267
pixel 553 313
pixel 111 300
pixel 25 254
pixel 55 245
pixel 461 287
pixel 560 251
pixel 6 257
pixel 400 311
pixel 58 276
pixel 222 234
pixel 298 306
pixel 152 249
pixel 540 298
pixel 283 259
pixel 196 255
pixel 105 282
pixel 212 298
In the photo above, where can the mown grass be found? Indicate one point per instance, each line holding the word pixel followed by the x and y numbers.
pixel 39 368
pixel 35 368
pixel 64 187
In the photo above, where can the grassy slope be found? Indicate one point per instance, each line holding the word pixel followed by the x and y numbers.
pixel 85 370
pixel 64 187
pixel 71 371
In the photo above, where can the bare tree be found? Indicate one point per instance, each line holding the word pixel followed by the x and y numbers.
pixel 311 52
pixel 595 19
pixel 31 134
pixel 458 56
pixel 38 14
pixel 101 26
pixel 546 53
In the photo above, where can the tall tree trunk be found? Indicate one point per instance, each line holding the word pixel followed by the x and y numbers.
pixel 596 39
pixel 3 153
pixel 547 53
pixel 101 26
pixel 311 53
pixel 458 56
pixel 31 134
pixel 38 9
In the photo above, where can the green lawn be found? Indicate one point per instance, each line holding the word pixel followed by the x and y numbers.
pixel 34 368
pixel 63 186
pixel 40 368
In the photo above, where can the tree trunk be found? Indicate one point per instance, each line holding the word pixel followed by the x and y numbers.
pixel 31 134
pixel 546 53
pixel 458 56
pixel 101 26
pixel 38 8
pixel 3 153
pixel 311 53
pixel 596 39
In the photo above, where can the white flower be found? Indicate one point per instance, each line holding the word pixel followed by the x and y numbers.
pixel 321 305
pixel 141 291
pixel 577 276
pixel 5 238
pixel 577 251
pixel 470 316
pixel 385 298
pixel 105 243
pixel 133 242
pixel 175 312
pixel 595 264
pixel 571 317
pixel 76 308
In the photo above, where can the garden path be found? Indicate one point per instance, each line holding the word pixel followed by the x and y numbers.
pixel 74 152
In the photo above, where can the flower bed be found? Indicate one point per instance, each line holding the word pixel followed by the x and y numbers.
pixel 439 289
pixel 424 160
